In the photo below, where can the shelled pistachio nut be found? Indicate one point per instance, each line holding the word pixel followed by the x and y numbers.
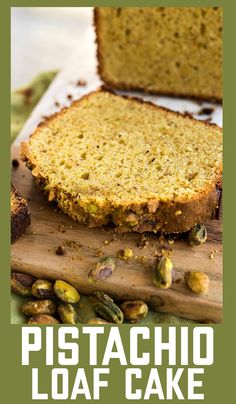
pixel 45 306
pixel 39 319
pixel 66 292
pixel 97 320
pixel 21 284
pixel 106 308
pixel 197 235
pixel 125 254
pixel 103 270
pixel 163 272
pixel 43 289
pixel 67 313
pixel 134 310
pixel 197 281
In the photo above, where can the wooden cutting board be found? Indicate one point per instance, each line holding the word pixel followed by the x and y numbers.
pixel 34 253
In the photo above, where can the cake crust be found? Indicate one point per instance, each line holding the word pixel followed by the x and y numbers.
pixel 140 216
pixel 20 216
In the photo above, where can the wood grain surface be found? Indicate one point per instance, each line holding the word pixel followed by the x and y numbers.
pixel 34 253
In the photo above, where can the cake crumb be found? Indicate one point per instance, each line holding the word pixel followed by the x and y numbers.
pixel 61 228
pixel 60 250
pixel 143 242
pixel 212 254
pixel 15 163
pixel 125 254
pixel 171 242
pixel 177 281
pixel 73 244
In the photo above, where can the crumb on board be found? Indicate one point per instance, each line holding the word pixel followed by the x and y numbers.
pixel 143 242
pixel 15 163
pixel 212 253
pixel 177 281
pixel 161 239
pixel 61 228
pixel 125 254
pixel 73 244
pixel 171 242
pixel 98 252
pixel 166 250
pixel 141 258
pixel 60 250
pixel 76 258
pixel 128 253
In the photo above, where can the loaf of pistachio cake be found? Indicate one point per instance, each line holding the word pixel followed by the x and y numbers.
pixel 113 159
pixel 167 50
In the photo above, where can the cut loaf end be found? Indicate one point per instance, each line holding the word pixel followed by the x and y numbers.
pixel 166 50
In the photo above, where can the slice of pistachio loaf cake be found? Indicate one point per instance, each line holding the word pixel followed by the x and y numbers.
pixel 109 158
pixel 165 50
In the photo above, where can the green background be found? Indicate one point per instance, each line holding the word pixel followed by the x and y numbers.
pixel 219 378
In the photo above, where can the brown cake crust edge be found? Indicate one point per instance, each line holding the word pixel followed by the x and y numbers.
pixel 167 217
pixel 20 219
pixel 124 86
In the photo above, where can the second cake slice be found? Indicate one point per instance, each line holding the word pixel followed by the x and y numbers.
pixel 109 158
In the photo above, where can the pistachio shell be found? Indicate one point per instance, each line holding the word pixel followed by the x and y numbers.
pixel 103 270
pixel 197 235
pixel 163 273
pixel 38 307
pixel 134 310
pixel 106 308
pixel 21 284
pixel 43 289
